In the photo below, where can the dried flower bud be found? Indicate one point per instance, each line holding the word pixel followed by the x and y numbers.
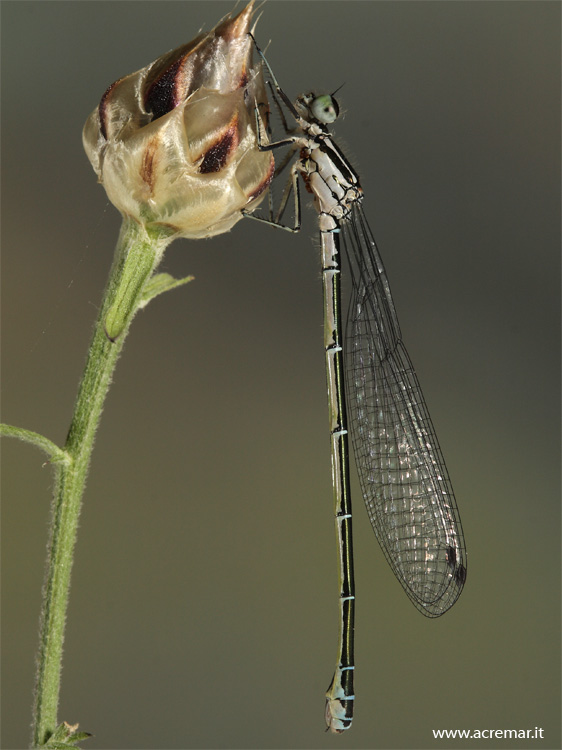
pixel 175 143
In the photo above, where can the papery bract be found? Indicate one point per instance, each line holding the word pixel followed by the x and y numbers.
pixel 175 143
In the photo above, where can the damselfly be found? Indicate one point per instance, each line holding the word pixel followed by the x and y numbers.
pixel 403 476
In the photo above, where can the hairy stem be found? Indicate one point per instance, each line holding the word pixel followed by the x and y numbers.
pixel 137 254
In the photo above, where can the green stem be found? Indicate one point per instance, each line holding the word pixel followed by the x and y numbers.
pixel 56 454
pixel 137 254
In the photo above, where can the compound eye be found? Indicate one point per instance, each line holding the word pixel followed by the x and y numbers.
pixel 325 109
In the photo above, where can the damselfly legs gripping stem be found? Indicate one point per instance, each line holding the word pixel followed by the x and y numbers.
pixel 403 476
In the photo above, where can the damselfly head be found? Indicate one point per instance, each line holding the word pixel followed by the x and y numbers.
pixel 324 108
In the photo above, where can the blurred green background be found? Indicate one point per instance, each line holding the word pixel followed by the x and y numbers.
pixel 203 605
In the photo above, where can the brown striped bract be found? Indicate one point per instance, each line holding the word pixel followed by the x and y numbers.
pixel 175 143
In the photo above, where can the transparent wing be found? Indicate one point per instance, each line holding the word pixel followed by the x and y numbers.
pixel 403 476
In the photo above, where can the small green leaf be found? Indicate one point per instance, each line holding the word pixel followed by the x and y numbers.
pixel 56 455
pixel 65 736
pixel 159 283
